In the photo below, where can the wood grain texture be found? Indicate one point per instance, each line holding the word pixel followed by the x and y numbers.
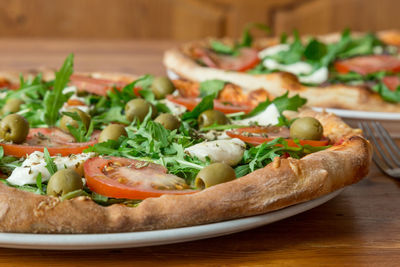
pixel 188 19
pixel 360 227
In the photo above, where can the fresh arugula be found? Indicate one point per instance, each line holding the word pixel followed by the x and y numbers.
pixel 54 99
pixel 282 103
pixel 152 142
pixel 222 48
pixel 80 133
pixel 8 163
pixel 50 165
pixel 39 184
pixel 259 156
pixel 245 41
pixel 206 103
pixel 247 38
pixel 211 87
pixel 386 93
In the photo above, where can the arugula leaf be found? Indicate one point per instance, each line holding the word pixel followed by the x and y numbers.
pixel 81 134
pixel 293 103
pixel 315 50
pixel 54 99
pixel 8 163
pixel 247 39
pixel 283 38
pixel 39 184
pixel 50 165
pixel 282 103
pixel 360 46
pixel 211 87
pixel 222 48
pixel 386 93
pixel 261 155
pixel 206 103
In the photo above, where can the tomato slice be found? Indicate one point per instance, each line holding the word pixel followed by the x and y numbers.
pixel 56 141
pixel 95 86
pixel 392 82
pixel 368 64
pixel 247 59
pixel 190 104
pixel 131 179
pixel 273 132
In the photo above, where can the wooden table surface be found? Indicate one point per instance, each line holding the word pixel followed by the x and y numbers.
pixel 361 226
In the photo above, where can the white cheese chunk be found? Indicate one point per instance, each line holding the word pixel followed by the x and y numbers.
pixel 318 76
pixel 226 151
pixel 301 69
pixel 273 50
pixel 175 109
pixel 270 116
pixel 35 164
pixel 295 68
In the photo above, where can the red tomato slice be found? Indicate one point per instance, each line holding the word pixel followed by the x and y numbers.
pixel 368 64
pixel 95 86
pixel 190 104
pixel 56 141
pixel 392 82
pixel 258 140
pixel 247 59
pixel 131 179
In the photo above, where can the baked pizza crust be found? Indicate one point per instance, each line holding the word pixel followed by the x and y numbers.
pixel 277 83
pixel 282 183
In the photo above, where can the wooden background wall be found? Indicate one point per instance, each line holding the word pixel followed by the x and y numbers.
pixel 188 19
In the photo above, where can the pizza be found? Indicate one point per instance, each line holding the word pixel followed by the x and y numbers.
pixel 100 153
pixel 345 71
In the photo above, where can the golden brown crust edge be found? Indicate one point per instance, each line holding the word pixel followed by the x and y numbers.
pixel 333 96
pixel 285 182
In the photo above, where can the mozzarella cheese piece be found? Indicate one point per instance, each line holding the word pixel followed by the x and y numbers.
pixel 175 109
pixel 270 116
pixel 226 151
pixel 35 164
pixel 273 50
pixel 301 69
pixel 318 76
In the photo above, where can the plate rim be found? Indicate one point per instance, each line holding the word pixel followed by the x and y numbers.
pixel 155 237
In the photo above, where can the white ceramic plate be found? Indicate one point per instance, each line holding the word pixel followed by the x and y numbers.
pixel 366 115
pixel 344 113
pixel 151 238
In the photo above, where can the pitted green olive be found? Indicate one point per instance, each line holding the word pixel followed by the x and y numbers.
pixel 162 86
pixel 209 117
pixel 67 120
pixel 213 174
pixel 112 132
pixel 12 105
pixel 14 128
pixel 306 128
pixel 169 121
pixel 138 108
pixel 63 182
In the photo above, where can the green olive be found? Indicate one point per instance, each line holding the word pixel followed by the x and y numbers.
pixel 169 121
pixel 213 174
pixel 162 86
pixel 12 105
pixel 67 120
pixel 63 182
pixel 209 117
pixel 138 108
pixel 306 128
pixel 112 132
pixel 14 128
